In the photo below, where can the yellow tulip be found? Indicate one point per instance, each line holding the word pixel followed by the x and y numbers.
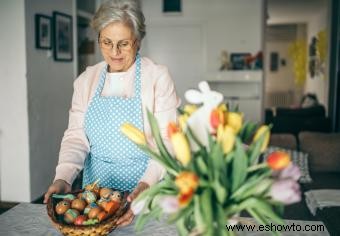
pixel 264 129
pixel 222 107
pixel 187 182
pixel 234 120
pixel 182 120
pixel 228 139
pixel 190 108
pixel 181 148
pixel 133 133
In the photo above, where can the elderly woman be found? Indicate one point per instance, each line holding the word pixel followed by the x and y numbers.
pixel 108 94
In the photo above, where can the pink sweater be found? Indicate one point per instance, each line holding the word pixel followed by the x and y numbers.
pixel 158 96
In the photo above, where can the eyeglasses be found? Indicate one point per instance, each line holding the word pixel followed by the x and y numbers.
pixel 122 45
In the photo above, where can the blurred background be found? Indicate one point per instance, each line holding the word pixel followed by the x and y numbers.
pixel 262 55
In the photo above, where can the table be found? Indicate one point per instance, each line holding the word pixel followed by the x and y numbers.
pixel 32 220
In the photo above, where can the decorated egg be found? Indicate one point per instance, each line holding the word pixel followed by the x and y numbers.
pixel 80 220
pixel 70 215
pixel 62 207
pixel 93 213
pixel 93 188
pixel 89 207
pixel 116 196
pixel 105 192
pixel 78 204
pixel 102 202
pixel 89 196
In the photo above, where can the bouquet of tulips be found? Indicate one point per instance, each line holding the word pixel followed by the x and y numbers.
pixel 214 170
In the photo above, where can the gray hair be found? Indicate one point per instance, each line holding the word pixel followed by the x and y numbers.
pixel 126 11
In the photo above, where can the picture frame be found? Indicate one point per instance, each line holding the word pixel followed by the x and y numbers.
pixel 63 36
pixel 43 31
pixel 238 61
pixel 274 61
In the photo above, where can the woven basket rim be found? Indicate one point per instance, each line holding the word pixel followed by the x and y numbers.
pixel 109 221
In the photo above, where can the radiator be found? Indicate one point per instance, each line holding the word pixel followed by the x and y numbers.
pixel 279 99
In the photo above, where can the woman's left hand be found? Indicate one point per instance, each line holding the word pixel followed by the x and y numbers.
pixel 127 218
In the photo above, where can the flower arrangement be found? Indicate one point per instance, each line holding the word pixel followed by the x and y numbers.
pixel 212 174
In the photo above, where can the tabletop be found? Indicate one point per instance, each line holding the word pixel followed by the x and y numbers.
pixel 32 220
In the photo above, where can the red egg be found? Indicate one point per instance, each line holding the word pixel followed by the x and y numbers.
pixel 80 219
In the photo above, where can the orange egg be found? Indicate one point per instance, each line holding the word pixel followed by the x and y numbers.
pixel 111 207
pixel 93 213
pixel 78 204
pixel 62 207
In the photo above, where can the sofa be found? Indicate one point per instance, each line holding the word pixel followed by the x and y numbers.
pixel 296 120
pixel 323 151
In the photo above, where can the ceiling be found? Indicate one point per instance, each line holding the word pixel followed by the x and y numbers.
pixel 294 11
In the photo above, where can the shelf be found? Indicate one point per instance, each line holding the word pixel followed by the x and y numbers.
pixel 236 76
pixel 84 14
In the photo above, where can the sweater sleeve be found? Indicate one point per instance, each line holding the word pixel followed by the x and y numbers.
pixel 165 110
pixel 74 145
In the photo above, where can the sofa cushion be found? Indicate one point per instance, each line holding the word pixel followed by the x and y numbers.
pixel 323 150
pixel 299 159
pixel 284 141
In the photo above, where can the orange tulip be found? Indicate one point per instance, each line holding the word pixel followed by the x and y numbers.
pixel 184 199
pixel 172 128
pixel 187 182
pixel 278 160
pixel 216 118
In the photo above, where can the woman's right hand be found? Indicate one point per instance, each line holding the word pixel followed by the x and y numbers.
pixel 59 186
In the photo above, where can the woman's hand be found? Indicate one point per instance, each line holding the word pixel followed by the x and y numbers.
pixel 59 186
pixel 127 218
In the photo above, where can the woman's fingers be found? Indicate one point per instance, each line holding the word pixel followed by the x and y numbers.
pixel 59 186
pixel 126 219
pixel 140 188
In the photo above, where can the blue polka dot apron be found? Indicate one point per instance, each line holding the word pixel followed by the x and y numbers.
pixel 114 160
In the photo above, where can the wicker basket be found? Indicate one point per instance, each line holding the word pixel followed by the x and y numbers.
pixel 102 228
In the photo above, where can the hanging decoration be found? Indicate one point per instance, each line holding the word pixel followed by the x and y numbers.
pixel 298 52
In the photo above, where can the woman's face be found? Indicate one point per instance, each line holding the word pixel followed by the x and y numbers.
pixel 118 46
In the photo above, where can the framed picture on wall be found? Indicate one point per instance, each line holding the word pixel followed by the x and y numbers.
pixel 238 61
pixel 43 32
pixel 63 40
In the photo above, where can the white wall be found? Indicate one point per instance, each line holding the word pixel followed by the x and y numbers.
pixel 319 84
pixel 50 87
pixel 190 43
pixel 315 13
pixel 14 149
